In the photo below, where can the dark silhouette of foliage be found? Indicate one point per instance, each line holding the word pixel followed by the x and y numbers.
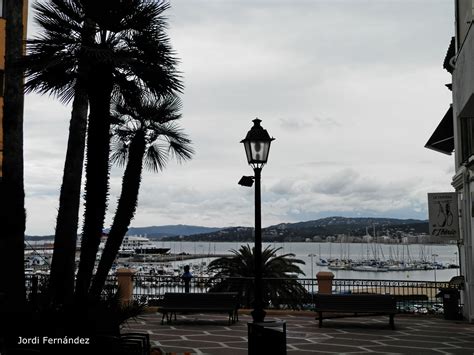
pixel 280 274
pixel 145 134
pixel 12 192
pixel 93 51
pixel 56 64
pixel 131 51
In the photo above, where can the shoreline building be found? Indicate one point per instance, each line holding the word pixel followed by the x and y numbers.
pixel 456 133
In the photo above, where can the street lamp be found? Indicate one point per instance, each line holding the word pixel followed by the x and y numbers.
pixel 456 263
pixel 434 265
pixel 257 146
pixel 312 275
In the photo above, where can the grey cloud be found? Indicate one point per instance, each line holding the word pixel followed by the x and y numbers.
pixel 303 123
pixel 322 75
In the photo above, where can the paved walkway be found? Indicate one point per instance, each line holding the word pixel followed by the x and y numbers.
pixel 210 334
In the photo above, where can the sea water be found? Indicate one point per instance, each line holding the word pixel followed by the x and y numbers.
pixel 444 254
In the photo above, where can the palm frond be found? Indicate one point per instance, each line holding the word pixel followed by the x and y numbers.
pixel 156 157
pixel 119 151
pixel 281 286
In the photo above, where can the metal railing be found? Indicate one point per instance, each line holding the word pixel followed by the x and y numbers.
pixel 412 296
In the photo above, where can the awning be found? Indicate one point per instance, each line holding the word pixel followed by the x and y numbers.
pixel 442 139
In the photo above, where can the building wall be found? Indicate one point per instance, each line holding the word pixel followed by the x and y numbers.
pixel 463 181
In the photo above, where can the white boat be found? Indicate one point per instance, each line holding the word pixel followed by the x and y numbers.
pixel 322 262
pixel 369 268
pixel 134 242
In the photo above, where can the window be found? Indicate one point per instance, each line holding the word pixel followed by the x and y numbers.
pixel 467 138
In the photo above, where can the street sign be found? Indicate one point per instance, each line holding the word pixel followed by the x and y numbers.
pixel 443 214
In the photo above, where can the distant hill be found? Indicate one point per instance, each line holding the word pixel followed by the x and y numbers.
pixel 324 227
pixel 158 232
pixel 153 232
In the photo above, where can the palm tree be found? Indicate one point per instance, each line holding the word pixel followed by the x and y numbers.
pixel 131 47
pixel 147 135
pixel 57 64
pixel 115 43
pixel 280 273
pixel 13 216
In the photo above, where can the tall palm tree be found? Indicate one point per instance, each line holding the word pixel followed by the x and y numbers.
pixel 280 273
pixel 146 136
pixel 13 216
pixel 57 64
pixel 131 46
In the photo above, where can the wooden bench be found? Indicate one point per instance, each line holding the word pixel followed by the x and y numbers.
pixel 211 302
pixel 356 304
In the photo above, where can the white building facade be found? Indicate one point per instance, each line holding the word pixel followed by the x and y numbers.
pixel 456 132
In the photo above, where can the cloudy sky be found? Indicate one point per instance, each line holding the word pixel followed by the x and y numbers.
pixel 351 90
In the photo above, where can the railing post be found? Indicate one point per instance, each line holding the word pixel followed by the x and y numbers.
pixel 325 281
pixel 34 291
pixel 125 284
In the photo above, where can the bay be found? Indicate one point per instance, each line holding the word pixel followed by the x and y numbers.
pixel 445 254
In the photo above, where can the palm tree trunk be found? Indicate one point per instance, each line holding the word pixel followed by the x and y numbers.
pixel 97 174
pixel 13 216
pixel 63 264
pixel 64 255
pixel 126 209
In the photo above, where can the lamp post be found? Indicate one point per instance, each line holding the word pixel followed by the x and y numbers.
pixel 312 275
pixel 434 265
pixel 257 146
pixel 456 262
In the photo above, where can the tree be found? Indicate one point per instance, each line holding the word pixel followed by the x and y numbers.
pixel 280 273
pixel 13 216
pixel 57 64
pixel 132 49
pixel 147 135
pixel 118 45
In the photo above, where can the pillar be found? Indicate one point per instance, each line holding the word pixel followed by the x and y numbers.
pixel 125 284
pixel 325 281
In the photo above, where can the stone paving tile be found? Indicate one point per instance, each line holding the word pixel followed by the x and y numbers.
pixel 232 332
pixel 225 351
pixel 194 344
pixel 414 344
pixel 349 342
pixel 215 338
pixel 461 351
pixel 403 350
pixel 424 338
pixel 433 334
pixel 466 345
pixel 175 349
pixel 328 348
pixel 294 341
pixel 416 335
pixel 237 344
pixel 360 336
pixel 161 337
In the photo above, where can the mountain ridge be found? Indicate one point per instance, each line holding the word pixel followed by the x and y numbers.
pixel 323 227
pixel 326 226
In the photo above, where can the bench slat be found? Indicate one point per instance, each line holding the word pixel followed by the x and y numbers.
pixel 356 303
pixel 200 302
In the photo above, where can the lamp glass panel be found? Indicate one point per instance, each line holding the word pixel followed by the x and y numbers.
pixel 248 151
pixel 259 150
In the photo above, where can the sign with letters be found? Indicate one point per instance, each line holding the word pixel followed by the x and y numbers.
pixel 443 213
